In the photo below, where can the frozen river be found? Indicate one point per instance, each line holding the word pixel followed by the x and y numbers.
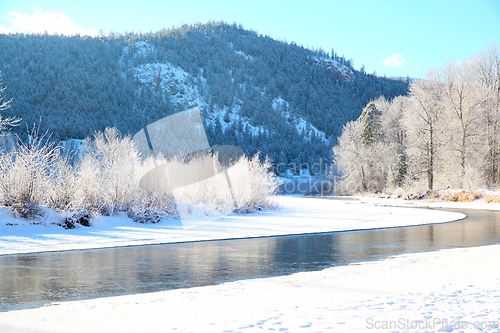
pixel 32 280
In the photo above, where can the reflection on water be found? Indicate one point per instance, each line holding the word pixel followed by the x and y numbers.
pixel 33 280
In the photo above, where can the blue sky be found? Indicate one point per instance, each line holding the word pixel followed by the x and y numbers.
pixel 395 38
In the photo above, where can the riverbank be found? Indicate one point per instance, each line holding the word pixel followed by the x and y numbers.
pixel 450 290
pixel 426 203
pixel 297 215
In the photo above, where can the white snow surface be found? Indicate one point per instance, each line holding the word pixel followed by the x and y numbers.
pixel 246 56
pixel 297 215
pixel 300 124
pixel 335 67
pixel 185 91
pixel 454 290
pixel 175 80
pixel 140 48
pixel 476 204
pixel 234 116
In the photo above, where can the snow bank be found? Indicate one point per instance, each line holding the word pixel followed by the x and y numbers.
pixel 431 292
pixel 298 215
pixel 476 204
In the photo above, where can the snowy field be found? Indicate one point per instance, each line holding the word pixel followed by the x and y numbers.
pixel 455 290
pixel 297 215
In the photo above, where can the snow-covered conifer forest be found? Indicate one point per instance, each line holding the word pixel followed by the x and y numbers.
pixel 444 134
pixel 282 99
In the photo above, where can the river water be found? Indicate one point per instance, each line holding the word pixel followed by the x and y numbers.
pixel 33 280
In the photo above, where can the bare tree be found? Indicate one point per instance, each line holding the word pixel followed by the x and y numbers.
pixel 487 74
pixel 348 156
pixel 6 122
pixel 422 123
pixel 395 136
pixel 463 101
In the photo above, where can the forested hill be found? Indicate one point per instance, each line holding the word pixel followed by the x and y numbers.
pixel 261 94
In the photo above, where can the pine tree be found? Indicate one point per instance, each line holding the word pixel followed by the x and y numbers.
pixel 371 124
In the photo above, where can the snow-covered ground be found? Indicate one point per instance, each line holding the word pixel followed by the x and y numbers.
pixel 438 291
pixel 300 124
pixel 476 204
pixel 297 215
pixel 455 290
pixel 186 90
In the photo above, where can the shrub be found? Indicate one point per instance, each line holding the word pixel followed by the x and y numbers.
pixel 491 199
pixel 104 179
pixel 79 218
pixel 145 215
pixel 26 173
pixel 462 196
pixel 27 210
pixel 263 184
pixel 250 184
pixel 106 173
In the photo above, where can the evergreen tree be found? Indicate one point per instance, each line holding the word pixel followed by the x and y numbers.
pixel 82 84
pixel 371 124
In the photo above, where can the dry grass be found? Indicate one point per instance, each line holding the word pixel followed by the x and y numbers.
pixel 462 196
pixel 491 199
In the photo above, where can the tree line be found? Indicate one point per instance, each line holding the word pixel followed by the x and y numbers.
pixel 80 84
pixel 444 134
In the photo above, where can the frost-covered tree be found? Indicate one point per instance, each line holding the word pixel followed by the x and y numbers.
pixel 349 156
pixel 445 133
pixel 6 122
pixel 395 137
pixel 422 121
pixel 26 174
pixel 486 70
pixel 463 102
pixel 371 125
pixel 361 153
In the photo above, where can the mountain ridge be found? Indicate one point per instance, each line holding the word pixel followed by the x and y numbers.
pixel 264 95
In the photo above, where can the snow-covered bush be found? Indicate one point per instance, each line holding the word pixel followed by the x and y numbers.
pixel 106 173
pixel 151 207
pixel 243 187
pixel 26 174
pixel 145 215
pixel 63 183
pixel 491 198
pixel 79 218
pixel 263 184
pixel 459 196
pixel 105 179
